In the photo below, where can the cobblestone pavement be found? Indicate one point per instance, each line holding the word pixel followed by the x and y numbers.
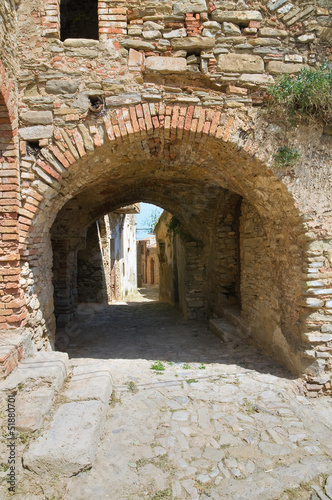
pixel 217 421
pixel 220 421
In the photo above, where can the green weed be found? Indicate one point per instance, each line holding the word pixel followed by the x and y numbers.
pixel 158 366
pixel 131 386
pixel 286 157
pixel 308 94
pixel 162 494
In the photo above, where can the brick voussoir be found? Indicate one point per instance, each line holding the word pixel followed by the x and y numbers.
pixel 49 170
pixel 78 142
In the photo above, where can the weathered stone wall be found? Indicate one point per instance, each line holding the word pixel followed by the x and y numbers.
pixel 164 108
pixel 168 281
pixel 8 36
pixel 223 268
pixel 12 307
pixel 91 283
pixel 182 268
pixel 213 47
pixel 208 161
pixel 262 290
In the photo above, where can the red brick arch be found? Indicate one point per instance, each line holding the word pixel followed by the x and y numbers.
pixel 155 131
pixel 184 140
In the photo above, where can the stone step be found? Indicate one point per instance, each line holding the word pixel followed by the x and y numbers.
pixel 89 382
pixel 69 446
pixel 46 367
pixel 70 443
pixel 223 329
pixel 36 381
pixel 13 348
pixel 233 316
pixel 32 406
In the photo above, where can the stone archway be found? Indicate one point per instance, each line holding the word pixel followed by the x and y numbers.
pixel 191 161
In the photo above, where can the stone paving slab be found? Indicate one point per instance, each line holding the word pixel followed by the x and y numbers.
pixel 70 444
pixel 90 382
pixel 31 406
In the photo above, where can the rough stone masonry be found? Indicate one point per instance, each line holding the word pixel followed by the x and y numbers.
pixel 162 102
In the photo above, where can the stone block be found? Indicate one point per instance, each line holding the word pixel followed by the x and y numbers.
pixel 32 406
pixel 213 454
pixel 165 64
pixel 38 117
pixel 70 444
pixel 278 67
pixel 123 99
pixel 240 63
pixel 137 44
pixel 175 33
pixel 313 302
pixel 191 6
pixel 276 4
pixel 80 42
pixel 62 86
pixel 310 37
pixel 273 450
pixel 264 42
pixel 224 330
pixel 151 26
pixel 236 16
pixel 51 367
pixel 255 80
pixel 272 32
pixel 29 421
pixel 90 382
pixel 230 29
pixel 37 132
pixel 192 43
pixel 293 58
pixel 151 34
pixel 135 58
pixel 318 339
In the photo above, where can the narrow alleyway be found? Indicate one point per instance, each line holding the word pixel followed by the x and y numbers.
pixel 217 421
pixel 190 417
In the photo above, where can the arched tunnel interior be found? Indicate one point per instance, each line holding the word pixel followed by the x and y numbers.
pixel 236 246
pixel 209 225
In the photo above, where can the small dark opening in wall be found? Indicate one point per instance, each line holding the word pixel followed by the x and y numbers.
pixel 33 148
pixel 96 103
pixel 79 19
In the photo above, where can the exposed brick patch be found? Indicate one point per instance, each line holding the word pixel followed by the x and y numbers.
pixel 11 352
pixel 11 295
pixel 193 24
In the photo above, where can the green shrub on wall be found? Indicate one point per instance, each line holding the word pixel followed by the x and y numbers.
pixel 309 94
pixel 286 157
pixel 173 226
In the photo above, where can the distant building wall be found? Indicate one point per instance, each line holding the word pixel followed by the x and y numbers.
pixel 147 261
pixel 107 264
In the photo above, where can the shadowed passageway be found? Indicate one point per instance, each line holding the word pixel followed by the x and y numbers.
pixel 143 328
